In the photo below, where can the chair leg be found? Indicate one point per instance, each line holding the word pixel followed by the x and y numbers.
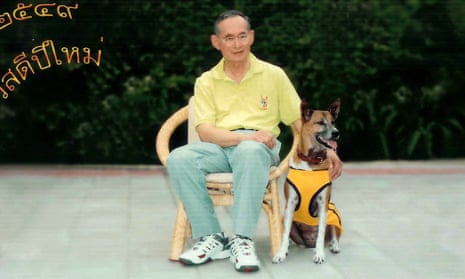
pixel 276 222
pixel 274 219
pixel 179 234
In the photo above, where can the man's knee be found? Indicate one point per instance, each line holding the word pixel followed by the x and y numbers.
pixel 255 153
pixel 193 153
pixel 250 147
pixel 178 156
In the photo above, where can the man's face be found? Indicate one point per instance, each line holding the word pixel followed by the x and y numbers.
pixel 234 39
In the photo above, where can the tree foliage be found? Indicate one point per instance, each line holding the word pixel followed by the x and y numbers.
pixel 396 65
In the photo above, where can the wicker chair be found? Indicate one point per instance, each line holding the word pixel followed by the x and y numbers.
pixel 220 184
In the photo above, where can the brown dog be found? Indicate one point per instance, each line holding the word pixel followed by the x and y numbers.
pixel 309 216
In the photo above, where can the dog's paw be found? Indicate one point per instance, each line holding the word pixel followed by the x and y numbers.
pixel 280 256
pixel 334 246
pixel 319 257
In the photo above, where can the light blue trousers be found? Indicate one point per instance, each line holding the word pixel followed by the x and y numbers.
pixel 250 164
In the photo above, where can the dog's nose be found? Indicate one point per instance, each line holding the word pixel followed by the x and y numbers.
pixel 335 135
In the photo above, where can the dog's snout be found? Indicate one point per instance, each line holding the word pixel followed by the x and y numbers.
pixel 335 134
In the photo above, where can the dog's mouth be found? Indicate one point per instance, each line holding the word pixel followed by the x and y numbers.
pixel 332 144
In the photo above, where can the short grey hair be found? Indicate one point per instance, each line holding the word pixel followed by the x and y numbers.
pixel 228 14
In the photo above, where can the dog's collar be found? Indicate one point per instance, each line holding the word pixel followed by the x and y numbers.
pixel 311 160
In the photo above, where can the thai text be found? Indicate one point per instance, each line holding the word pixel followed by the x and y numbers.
pixel 27 11
pixel 42 57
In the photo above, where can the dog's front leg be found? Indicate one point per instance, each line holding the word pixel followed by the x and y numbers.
pixel 322 217
pixel 288 216
pixel 334 243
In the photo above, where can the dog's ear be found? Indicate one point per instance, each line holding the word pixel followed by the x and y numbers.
pixel 335 107
pixel 305 110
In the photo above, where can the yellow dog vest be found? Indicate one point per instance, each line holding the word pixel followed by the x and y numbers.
pixel 307 185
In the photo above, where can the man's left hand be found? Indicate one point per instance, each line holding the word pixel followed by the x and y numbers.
pixel 335 164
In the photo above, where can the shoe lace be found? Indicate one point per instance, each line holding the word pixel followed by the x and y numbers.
pixel 242 246
pixel 207 243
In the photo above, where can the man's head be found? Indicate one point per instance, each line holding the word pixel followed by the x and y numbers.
pixel 233 36
pixel 226 15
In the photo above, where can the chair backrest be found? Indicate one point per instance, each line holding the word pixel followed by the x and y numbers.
pixel 192 135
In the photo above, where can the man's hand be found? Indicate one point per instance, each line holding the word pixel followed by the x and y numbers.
pixel 264 137
pixel 209 133
pixel 335 164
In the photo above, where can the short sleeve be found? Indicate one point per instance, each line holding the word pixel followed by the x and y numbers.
pixel 204 108
pixel 289 101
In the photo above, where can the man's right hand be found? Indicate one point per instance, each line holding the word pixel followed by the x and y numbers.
pixel 264 137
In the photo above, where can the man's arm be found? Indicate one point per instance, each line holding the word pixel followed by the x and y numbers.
pixel 335 164
pixel 224 138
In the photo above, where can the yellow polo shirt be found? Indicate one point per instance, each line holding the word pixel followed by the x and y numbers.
pixel 263 99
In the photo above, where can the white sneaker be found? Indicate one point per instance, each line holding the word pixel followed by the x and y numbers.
pixel 210 247
pixel 243 254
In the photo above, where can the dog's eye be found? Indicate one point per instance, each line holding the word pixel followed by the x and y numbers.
pixel 321 122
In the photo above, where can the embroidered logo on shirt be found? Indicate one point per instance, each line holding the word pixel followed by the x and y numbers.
pixel 264 102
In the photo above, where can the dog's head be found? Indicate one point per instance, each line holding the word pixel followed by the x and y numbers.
pixel 318 127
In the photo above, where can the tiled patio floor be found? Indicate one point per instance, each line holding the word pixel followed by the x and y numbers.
pixel 401 220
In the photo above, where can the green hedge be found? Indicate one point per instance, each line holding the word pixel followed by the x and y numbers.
pixel 396 65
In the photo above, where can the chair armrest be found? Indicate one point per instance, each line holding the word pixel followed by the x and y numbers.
pixel 162 143
pixel 284 164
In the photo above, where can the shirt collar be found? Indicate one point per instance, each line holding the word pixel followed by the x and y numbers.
pixel 255 68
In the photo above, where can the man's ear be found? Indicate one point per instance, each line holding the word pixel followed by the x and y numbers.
pixel 252 36
pixel 214 40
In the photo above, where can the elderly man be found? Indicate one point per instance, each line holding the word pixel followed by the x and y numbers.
pixel 239 104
